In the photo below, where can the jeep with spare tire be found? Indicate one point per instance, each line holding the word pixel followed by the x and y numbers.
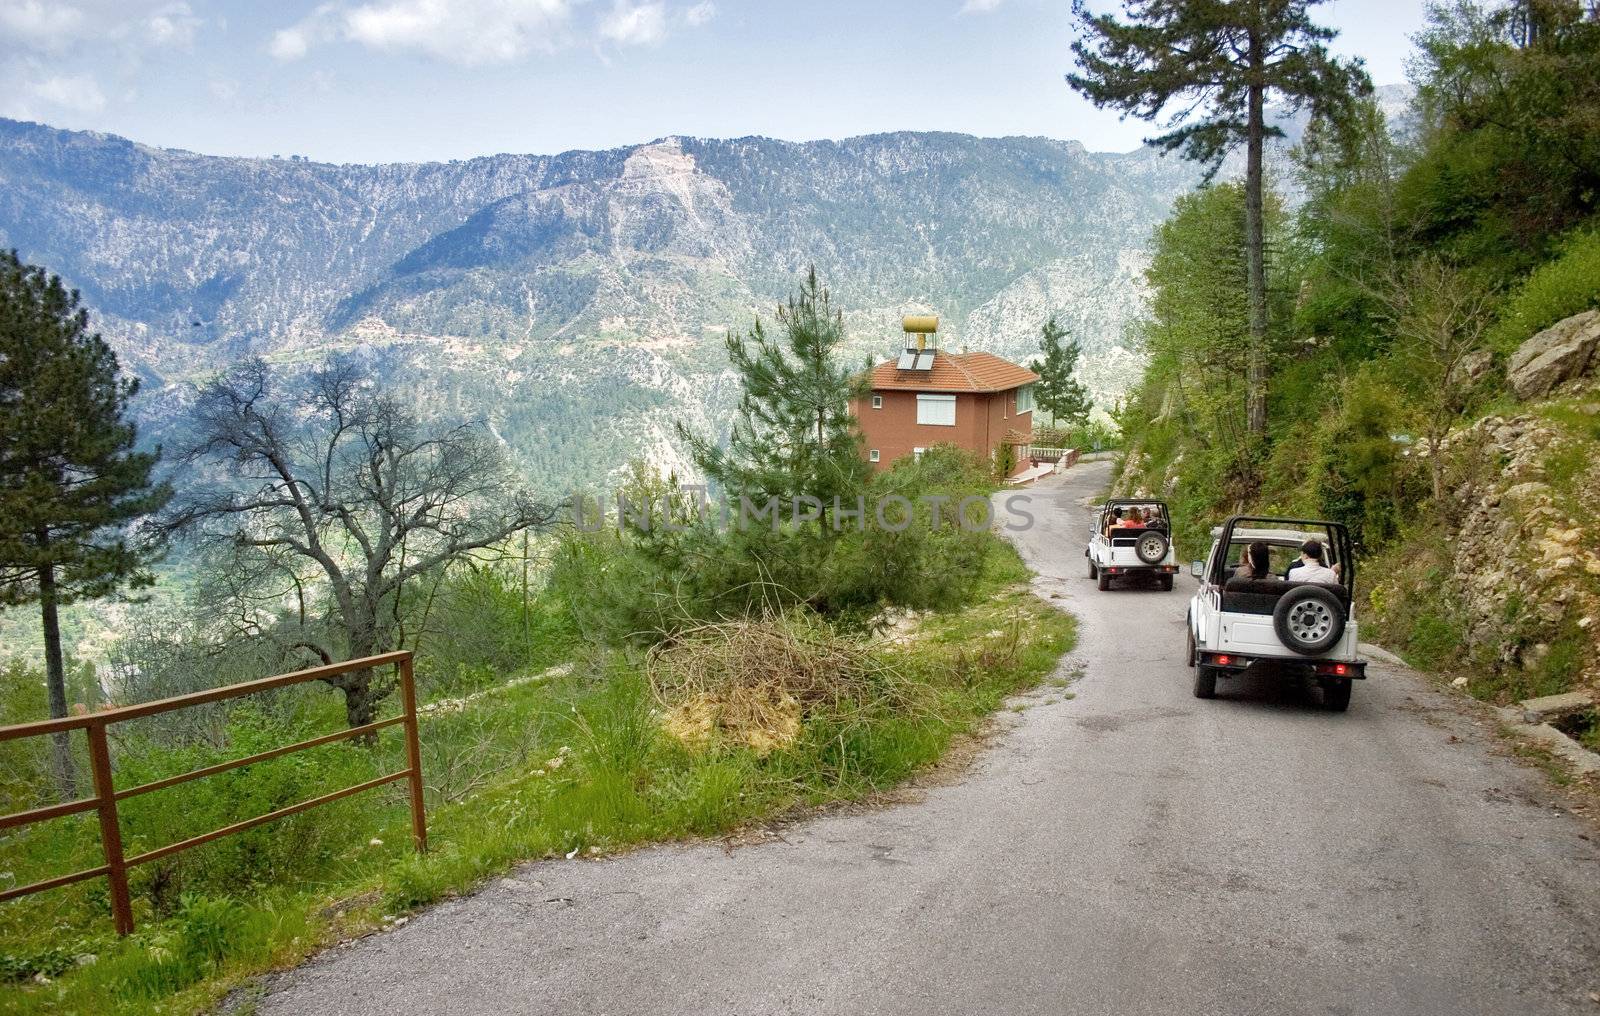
pixel 1132 537
pixel 1238 620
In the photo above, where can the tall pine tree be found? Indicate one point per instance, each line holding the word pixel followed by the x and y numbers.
pixel 795 434
pixel 1059 392
pixel 1225 59
pixel 70 479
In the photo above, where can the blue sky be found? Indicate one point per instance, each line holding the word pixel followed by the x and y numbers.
pixel 383 80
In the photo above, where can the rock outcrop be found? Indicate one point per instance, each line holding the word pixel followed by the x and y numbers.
pixel 1524 564
pixel 1562 352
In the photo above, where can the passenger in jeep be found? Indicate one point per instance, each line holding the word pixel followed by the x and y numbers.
pixel 1311 567
pixel 1114 521
pixel 1256 563
pixel 1133 520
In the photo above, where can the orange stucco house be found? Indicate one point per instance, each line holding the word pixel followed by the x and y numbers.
pixel 928 396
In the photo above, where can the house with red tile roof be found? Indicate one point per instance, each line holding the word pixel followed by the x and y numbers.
pixel 928 396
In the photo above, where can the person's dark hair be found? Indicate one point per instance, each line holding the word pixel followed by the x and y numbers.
pixel 1260 560
pixel 1313 550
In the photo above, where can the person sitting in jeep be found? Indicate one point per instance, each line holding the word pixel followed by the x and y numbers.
pixel 1311 567
pixel 1255 563
pixel 1133 520
pixel 1114 521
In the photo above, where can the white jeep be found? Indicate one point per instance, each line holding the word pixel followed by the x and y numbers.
pixel 1305 629
pixel 1132 537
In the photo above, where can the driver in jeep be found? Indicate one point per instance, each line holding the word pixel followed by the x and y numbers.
pixel 1311 567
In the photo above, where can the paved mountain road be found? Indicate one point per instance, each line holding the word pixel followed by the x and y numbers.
pixel 1130 850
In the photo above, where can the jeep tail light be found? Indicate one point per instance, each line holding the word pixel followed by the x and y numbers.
pixel 1223 661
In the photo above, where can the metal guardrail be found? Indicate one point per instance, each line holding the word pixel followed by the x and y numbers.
pixel 106 796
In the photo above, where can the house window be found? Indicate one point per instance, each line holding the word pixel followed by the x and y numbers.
pixel 877 403
pixel 936 410
pixel 1025 399
pixel 872 456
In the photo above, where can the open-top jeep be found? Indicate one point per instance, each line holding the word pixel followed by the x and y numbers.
pixel 1132 536
pixel 1303 628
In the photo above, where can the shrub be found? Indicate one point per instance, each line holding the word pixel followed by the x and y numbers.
pixel 1557 289
pixel 646 579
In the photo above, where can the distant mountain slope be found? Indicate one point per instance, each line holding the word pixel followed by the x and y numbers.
pixel 579 301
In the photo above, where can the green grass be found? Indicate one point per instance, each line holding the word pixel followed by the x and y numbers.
pixel 497 798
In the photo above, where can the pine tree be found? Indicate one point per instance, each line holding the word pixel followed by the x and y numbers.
pixel 71 482
pixel 795 434
pixel 1225 57
pixel 1059 392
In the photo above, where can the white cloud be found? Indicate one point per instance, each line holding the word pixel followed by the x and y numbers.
pixel 477 31
pixel 173 25
pixel 223 91
pixel 980 6
pixel 635 24
pixel 458 31
pixel 134 25
pixel 38 24
pixel 78 92
pixel 296 41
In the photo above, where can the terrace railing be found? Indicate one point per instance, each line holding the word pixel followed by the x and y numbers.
pixel 106 796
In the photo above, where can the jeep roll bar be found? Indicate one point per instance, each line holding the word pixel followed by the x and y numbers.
pixel 1341 546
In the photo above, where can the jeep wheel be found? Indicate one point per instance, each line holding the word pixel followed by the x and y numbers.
pixel 1309 619
pixel 1205 682
pixel 1190 655
pixel 1105 582
pixel 1336 695
pixel 1094 572
pixel 1151 547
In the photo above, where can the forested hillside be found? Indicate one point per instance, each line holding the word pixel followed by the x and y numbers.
pixel 579 301
pixel 1401 288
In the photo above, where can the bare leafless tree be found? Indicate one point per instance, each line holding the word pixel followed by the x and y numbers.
pixel 1440 317
pixel 336 496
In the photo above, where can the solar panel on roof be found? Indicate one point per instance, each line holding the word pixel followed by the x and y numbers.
pixel 924 360
pixel 908 360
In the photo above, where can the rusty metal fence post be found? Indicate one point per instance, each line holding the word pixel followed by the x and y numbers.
pixel 110 830
pixel 408 695
pixel 106 796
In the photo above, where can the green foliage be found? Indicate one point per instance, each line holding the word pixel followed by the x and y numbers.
pixel 70 479
pixel 479 622
pixel 1567 284
pixel 1184 55
pixel 637 577
pixel 795 434
pixel 1005 460
pixel 1058 391
pixel 575 763
pixel 1512 153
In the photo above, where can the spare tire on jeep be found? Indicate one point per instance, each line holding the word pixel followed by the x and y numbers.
pixel 1151 547
pixel 1309 619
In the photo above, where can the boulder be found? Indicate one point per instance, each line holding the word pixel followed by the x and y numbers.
pixel 1564 351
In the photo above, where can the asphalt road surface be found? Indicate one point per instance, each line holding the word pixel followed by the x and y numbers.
pixel 1130 850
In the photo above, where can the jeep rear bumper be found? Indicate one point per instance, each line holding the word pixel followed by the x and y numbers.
pixel 1235 662
pixel 1128 569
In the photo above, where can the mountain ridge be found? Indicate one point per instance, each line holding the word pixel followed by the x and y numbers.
pixel 522 287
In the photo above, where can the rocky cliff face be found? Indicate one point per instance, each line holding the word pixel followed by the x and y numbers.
pixel 580 301
pixel 1511 583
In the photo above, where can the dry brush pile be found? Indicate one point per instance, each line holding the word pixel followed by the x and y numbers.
pixel 753 680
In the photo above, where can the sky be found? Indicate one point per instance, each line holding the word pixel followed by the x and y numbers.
pixel 419 80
